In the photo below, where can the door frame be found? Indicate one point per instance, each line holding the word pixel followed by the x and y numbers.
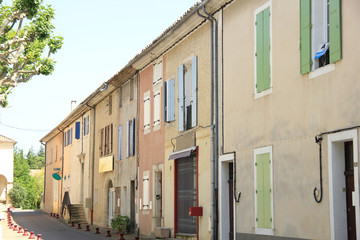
pixel 337 198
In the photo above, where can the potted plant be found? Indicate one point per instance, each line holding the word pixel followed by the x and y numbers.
pixel 121 224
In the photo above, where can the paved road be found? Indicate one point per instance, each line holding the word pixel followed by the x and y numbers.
pixel 50 228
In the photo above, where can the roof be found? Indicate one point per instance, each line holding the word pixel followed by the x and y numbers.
pixel 4 139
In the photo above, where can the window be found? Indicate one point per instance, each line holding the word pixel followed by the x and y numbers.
pixel 110 104
pixel 320 34
pixel 263 51
pixel 120 96
pixel 147 108
pixel 169 100
pixel 132 83
pixel 263 191
pixel 120 143
pixel 187 95
pixel 106 140
pixel 68 137
pixel 86 125
pixel 77 130
pixel 157 107
pixel 130 143
pixel 146 191
pixel 158 72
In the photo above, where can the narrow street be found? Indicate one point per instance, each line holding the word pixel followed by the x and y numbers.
pixel 50 228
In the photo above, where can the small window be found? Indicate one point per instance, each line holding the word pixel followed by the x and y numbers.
pixel 169 100
pixel 106 140
pixel 158 72
pixel 146 190
pixel 86 125
pixel 157 108
pixel 120 96
pixel 147 107
pixel 132 88
pixel 77 130
pixel 110 104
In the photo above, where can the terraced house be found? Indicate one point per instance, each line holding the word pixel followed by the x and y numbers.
pixel 238 122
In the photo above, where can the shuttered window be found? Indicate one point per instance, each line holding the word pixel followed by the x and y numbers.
pixel 77 130
pixel 169 100
pixel 324 27
pixel 120 143
pixel 131 138
pixel 106 140
pixel 158 72
pixel 147 108
pixel 86 125
pixel 305 36
pixel 128 138
pixel 263 190
pixel 263 50
pixel 187 94
pixel 146 190
pixel 157 107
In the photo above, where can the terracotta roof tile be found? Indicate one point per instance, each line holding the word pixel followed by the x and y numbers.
pixel 6 139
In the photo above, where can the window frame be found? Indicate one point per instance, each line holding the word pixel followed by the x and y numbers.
pixel 269 90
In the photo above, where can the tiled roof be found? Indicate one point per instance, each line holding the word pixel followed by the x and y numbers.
pixel 6 139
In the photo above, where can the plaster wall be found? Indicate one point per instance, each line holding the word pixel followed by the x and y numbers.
pixel 299 108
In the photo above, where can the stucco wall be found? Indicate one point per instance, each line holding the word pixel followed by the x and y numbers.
pixel 289 118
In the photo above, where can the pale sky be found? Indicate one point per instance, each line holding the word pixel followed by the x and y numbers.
pixel 100 38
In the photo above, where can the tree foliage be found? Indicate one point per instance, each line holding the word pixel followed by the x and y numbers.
pixel 30 187
pixel 26 35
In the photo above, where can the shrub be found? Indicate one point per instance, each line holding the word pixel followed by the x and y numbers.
pixel 121 224
pixel 17 195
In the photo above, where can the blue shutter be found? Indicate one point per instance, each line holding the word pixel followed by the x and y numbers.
pixel 120 142
pixel 181 102
pixel 77 130
pixel 171 100
pixel 194 91
pixel 128 140
pixel 133 137
pixel 165 102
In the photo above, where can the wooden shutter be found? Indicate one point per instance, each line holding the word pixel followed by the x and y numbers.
pixel 102 142
pixel 263 191
pixel 171 100
pixel 120 142
pixel 128 139
pixel 181 99
pixel 263 50
pixel 194 76
pixel 157 107
pixel 165 94
pixel 111 138
pixel 335 30
pixel 133 136
pixel 147 108
pixel 77 130
pixel 146 190
pixel 305 36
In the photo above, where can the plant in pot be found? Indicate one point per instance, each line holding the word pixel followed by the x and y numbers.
pixel 121 224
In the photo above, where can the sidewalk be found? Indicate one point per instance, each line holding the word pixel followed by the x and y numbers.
pixel 9 234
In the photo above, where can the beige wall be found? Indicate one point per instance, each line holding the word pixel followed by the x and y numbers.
pixel 196 44
pixel 289 118
pixel 125 170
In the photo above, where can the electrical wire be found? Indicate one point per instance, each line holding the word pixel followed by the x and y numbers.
pixel 23 129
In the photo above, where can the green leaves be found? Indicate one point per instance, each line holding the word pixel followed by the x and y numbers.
pixel 26 43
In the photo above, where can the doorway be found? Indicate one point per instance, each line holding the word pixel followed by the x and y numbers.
pixel 344 185
pixel 157 198
pixel 111 201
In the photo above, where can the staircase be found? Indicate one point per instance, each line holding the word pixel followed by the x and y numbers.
pixel 77 214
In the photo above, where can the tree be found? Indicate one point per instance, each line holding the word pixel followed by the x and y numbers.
pixel 26 34
pixel 17 195
pixel 36 161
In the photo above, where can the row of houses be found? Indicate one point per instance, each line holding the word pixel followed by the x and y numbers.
pixel 240 121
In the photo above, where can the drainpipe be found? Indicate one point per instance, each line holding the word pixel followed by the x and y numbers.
pixel 213 144
pixel 92 164
pixel 44 173
pixel 62 166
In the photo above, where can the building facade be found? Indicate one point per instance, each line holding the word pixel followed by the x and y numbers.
pixel 7 167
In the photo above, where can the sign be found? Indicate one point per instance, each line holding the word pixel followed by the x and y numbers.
pixel 56 176
pixel 57 169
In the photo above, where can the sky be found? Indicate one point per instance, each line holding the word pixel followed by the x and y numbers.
pixel 100 38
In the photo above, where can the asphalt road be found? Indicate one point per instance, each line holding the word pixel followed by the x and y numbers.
pixel 50 228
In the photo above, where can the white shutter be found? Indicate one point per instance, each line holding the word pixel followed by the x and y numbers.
pixel 147 107
pixel 157 107
pixel 158 70
pixel 146 184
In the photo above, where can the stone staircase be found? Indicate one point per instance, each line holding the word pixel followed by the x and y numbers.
pixel 77 214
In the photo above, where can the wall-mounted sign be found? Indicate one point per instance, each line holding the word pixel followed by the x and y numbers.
pixel 57 169
pixel 56 176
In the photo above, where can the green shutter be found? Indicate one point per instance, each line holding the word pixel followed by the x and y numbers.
pixel 305 36
pixel 263 191
pixel 335 30
pixel 263 50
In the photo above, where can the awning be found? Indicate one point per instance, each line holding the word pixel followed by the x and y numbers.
pixel 182 153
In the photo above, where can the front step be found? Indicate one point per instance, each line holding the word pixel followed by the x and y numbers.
pixel 78 214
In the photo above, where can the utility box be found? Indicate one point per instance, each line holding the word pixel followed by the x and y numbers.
pixel 195 211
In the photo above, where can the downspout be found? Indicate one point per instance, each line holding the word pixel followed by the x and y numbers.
pixel 92 164
pixel 62 165
pixel 212 138
pixel 44 173
pixel 216 85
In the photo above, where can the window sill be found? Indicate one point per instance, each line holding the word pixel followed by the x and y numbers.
pixel 321 71
pixel 263 93
pixel 264 231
